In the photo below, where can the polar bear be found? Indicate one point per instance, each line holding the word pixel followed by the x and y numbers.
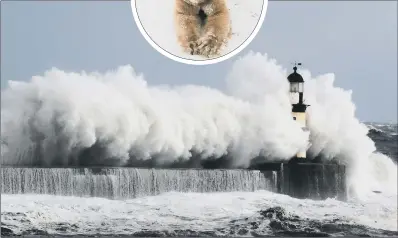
pixel 203 26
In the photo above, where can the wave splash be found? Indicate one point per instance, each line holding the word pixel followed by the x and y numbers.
pixel 116 118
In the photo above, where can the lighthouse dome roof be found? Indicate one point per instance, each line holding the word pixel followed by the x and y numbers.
pixel 295 77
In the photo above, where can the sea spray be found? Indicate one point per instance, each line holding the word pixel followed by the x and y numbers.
pixel 77 119
pixel 336 134
pixel 69 118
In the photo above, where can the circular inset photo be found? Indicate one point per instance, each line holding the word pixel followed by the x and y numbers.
pixel 199 32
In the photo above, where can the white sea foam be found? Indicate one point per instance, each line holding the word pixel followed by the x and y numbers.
pixel 173 211
pixel 54 118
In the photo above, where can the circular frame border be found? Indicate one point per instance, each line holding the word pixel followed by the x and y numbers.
pixel 199 62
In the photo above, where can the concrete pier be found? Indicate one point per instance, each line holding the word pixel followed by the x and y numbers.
pixel 297 178
pixel 316 181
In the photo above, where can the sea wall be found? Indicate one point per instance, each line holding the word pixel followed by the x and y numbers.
pixel 300 180
pixel 313 180
pixel 122 183
pixel 308 180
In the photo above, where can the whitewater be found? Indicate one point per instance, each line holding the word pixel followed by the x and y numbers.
pixel 185 213
pixel 70 119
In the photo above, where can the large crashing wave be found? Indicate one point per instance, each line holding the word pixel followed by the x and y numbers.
pixel 66 118
pixel 116 118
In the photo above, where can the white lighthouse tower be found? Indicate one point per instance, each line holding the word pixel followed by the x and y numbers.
pixel 296 92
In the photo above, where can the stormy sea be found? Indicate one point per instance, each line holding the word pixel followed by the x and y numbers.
pixel 111 155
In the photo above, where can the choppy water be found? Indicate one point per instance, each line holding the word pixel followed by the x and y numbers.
pixel 142 202
pixel 385 137
pixel 199 214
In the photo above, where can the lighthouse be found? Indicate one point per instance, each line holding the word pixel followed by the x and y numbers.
pixel 296 91
pixel 303 177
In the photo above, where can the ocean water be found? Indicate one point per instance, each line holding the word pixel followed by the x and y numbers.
pixel 116 118
pixel 185 203
pixel 215 214
pixel 385 137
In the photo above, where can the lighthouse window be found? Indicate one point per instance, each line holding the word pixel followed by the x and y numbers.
pixel 294 118
pixel 301 87
pixel 294 87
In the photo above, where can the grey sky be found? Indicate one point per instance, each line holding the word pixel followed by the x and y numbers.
pixel 355 40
